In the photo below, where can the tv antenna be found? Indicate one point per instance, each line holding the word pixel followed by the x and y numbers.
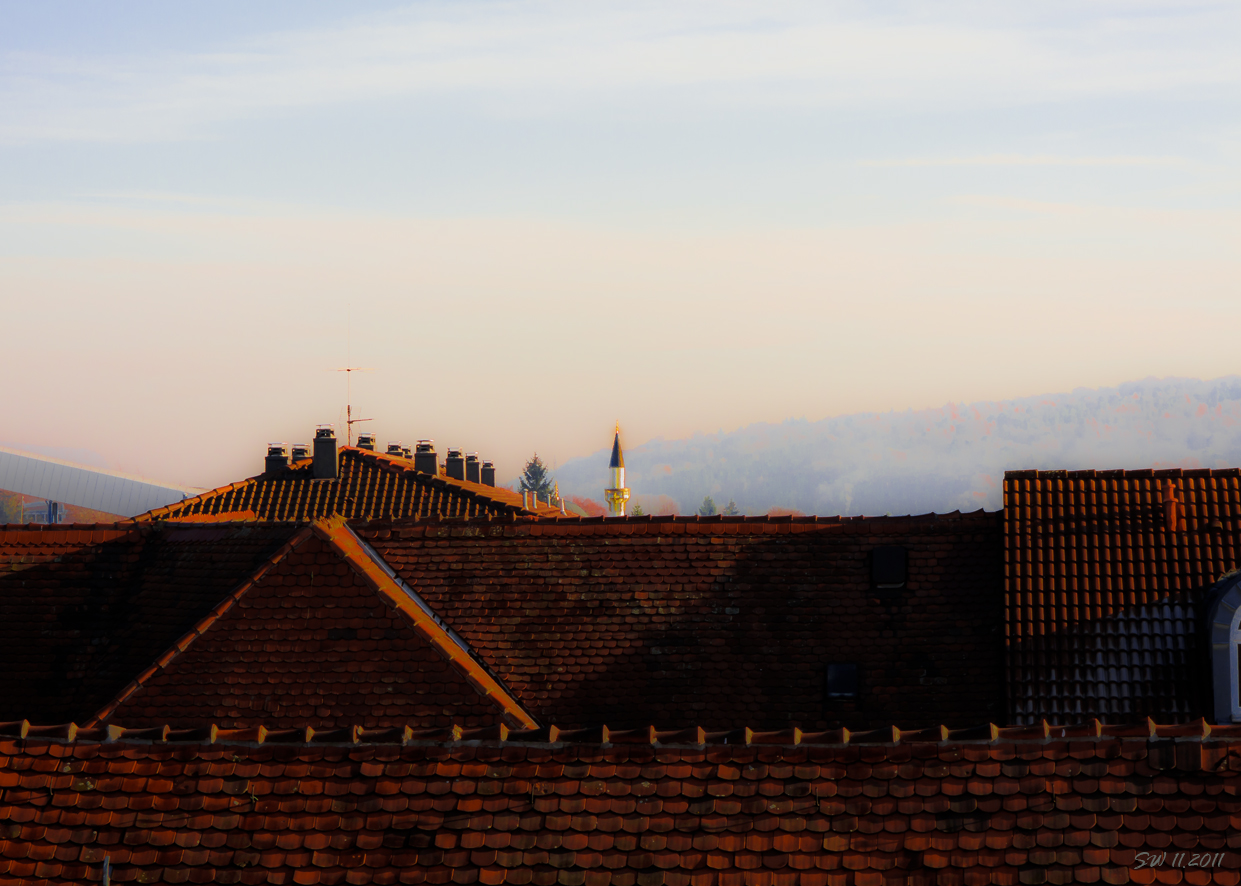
pixel 350 421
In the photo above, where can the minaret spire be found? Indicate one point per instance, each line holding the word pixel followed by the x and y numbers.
pixel 619 493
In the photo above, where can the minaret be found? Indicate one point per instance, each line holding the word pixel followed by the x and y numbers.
pixel 618 494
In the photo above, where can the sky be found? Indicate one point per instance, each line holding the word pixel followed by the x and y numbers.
pixel 528 221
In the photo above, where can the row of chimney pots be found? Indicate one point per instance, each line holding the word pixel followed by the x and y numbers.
pixel 458 465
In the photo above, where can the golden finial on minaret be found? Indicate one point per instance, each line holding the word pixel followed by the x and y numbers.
pixel 618 494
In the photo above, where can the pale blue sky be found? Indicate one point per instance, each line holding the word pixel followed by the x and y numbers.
pixel 686 216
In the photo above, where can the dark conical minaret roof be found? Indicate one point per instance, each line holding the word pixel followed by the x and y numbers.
pixel 618 458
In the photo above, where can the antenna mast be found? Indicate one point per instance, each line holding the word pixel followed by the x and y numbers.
pixel 350 421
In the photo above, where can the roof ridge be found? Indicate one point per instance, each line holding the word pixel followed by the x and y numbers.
pixel 370 565
pixel 158 513
pixel 1117 473
pixel 685 519
pixel 1041 733
pixel 465 487
pixel 200 627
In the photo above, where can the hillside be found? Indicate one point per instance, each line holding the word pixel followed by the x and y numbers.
pixel 942 459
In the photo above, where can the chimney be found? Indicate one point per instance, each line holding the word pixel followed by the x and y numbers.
pixel 325 453
pixel 405 453
pixel 425 459
pixel 488 474
pixel 394 448
pixel 277 458
pixel 300 451
pixel 366 441
pixel 471 467
pixel 455 464
pixel 1171 508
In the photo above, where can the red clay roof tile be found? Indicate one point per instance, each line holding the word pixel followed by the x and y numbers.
pixel 371 485
pixel 241 837
pixel 713 622
pixel 277 651
pixel 75 628
pixel 1099 569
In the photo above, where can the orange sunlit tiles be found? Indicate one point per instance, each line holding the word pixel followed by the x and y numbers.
pixel 1130 805
pixel 1100 571
pixel 717 620
pixel 371 486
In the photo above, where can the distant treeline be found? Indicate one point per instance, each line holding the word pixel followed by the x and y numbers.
pixel 944 459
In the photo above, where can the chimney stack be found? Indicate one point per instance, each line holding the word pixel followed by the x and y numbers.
pixel 300 451
pixel 454 465
pixel 394 448
pixel 1171 508
pixel 488 474
pixel 405 453
pixel 366 441
pixel 277 458
pixel 425 459
pixel 471 468
pixel 325 453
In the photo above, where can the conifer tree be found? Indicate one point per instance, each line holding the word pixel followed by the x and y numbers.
pixel 537 479
pixel 731 509
pixel 707 508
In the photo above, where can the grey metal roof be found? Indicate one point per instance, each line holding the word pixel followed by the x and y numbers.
pixel 93 488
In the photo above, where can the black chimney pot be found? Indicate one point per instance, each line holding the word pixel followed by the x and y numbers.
pixel 325 453
pixel 488 474
pixel 425 459
pixel 277 458
pixel 471 468
pixel 366 441
pixel 454 465
pixel 300 451
pixel 394 448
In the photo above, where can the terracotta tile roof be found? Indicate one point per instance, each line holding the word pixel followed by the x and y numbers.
pixel 76 628
pixel 24 546
pixel 322 633
pixel 372 485
pixel 1020 808
pixel 717 620
pixel 1101 571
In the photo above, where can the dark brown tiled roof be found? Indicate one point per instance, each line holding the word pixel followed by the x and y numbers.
pixel 322 634
pixel 719 620
pixel 1020 808
pixel 76 628
pixel 372 485
pixel 1101 571
pixel 23 546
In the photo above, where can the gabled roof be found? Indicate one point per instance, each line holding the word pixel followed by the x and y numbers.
pixel 718 620
pixel 1123 807
pixel 322 633
pixel 87 609
pixel 371 485
pixel 1101 570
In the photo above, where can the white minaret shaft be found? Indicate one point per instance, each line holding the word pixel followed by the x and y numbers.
pixel 618 494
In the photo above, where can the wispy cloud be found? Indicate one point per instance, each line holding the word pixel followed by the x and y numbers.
pixel 508 58
pixel 1024 160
